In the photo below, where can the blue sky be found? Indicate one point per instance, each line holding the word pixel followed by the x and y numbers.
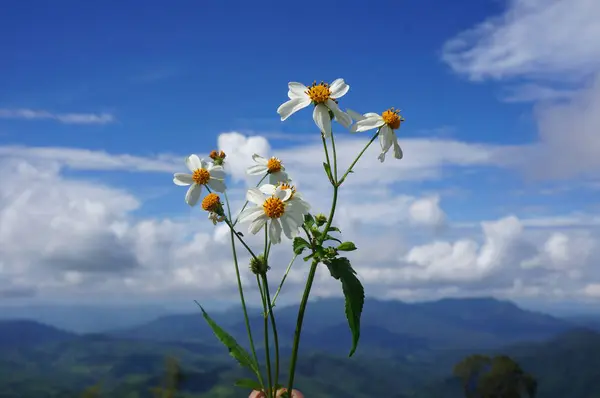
pixel 101 101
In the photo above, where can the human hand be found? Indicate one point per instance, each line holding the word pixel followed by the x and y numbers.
pixel 260 394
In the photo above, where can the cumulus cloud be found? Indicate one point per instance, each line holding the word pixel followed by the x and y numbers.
pixel 427 211
pixel 239 150
pixel 66 118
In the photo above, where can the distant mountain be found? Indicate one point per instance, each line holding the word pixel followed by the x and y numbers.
pixel 84 318
pixel 19 333
pixel 402 327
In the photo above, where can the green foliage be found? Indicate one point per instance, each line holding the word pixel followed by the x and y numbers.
pixel 497 377
pixel 347 247
pixel 235 350
pixel 299 245
pixel 354 294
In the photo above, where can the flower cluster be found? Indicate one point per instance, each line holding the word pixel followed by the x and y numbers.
pixel 276 207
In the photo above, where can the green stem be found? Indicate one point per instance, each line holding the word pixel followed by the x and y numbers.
pixel 241 290
pixel 335 169
pixel 240 238
pixel 287 271
pixel 274 325
pixel 309 282
pixel 266 328
pixel 358 157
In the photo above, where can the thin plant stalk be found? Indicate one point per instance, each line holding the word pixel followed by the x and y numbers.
pixel 242 299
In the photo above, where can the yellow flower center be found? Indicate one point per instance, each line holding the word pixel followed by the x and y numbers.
pixel 211 202
pixel 274 207
pixel 319 93
pixel 292 188
pixel 201 176
pixel 274 165
pixel 392 118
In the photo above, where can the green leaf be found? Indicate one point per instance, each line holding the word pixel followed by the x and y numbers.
pixel 309 257
pixel 249 384
pixel 336 229
pixel 328 171
pixel 354 294
pixel 235 350
pixel 309 220
pixel 347 247
pixel 300 244
pixel 329 237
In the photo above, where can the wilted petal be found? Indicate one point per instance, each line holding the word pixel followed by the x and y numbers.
pixel 397 150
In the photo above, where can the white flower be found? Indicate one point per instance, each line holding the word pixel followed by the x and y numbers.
pixel 387 123
pixel 323 96
pixel 295 199
pixel 272 166
pixel 275 205
pixel 203 173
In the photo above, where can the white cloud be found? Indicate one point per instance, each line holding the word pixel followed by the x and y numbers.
pixel 535 38
pixel 66 118
pixel 239 150
pixel 546 44
pixel 427 211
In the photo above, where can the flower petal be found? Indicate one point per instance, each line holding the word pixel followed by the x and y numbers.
pixel 283 194
pixel 397 150
pixel 257 224
pixel 217 185
pixel 219 173
pixel 386 138
pixel 369 123
pixel 193 194
pixel 268 189
pixel 193 162
pixel 355 115
pixel 341 117
pixel 204 164
pixel 338 88
pixel 259 159
pixel 250 214
pixel 290 107
pixel 255 196
pixel 290 228
pixel 257 169
pixel 296 90
pixel 275 231
pixel 276 178
pixel 322 119
pixel 182 179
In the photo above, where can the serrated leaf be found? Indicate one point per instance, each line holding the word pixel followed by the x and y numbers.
pixel 354 295
pixel 328 171
pixel 347 247
pixel 249 384
pixel 235 350
pixel 299 245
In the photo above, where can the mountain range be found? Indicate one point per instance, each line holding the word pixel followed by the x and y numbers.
pixel 407 348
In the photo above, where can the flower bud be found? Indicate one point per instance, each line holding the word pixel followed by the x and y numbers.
pixel 218 157
pixel 258 265
pixel 320 219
